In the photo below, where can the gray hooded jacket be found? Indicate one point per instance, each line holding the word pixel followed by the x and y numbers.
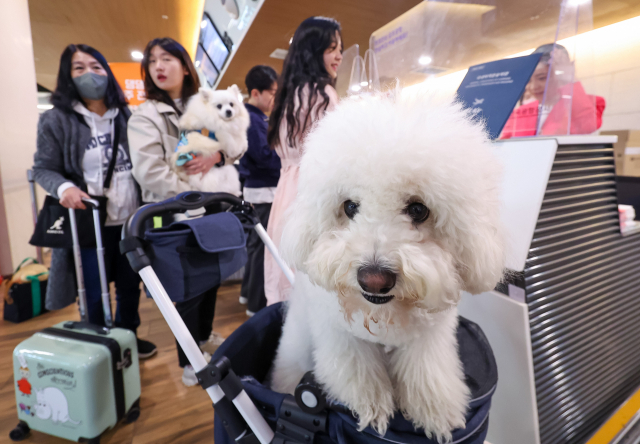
pixel 62 140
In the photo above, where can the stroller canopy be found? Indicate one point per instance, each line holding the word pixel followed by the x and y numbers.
pixel 252 349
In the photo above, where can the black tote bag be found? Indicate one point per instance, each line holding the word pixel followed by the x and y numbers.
pixel 53 229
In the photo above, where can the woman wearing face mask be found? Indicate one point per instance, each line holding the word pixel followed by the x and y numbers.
pixel 75 147
pixel 305 93
pixel 170 79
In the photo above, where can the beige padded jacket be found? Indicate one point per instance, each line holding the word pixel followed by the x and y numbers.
pixel 153 133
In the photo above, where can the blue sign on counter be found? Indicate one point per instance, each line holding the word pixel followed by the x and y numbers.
pixel 492 89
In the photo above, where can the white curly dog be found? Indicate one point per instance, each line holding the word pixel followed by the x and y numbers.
pixel 397 212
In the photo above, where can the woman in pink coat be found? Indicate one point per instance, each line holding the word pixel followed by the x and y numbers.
pixel 305 93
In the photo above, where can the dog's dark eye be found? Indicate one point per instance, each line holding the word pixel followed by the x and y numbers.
pixel 418 212
pixel 219 106
pixel 350 208
pixel 231 104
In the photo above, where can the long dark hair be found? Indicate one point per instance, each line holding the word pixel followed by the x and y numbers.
pixel 304 65
pixel 190 84
pixel 66 92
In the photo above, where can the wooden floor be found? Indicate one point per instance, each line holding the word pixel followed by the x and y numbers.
pixel 170 412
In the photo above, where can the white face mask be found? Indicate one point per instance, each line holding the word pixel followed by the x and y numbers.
pixel 91 86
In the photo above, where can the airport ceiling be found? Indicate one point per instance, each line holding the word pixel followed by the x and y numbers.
pixel 117 27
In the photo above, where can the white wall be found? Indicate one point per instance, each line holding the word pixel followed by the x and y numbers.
pixel 18 124
pixel 609 66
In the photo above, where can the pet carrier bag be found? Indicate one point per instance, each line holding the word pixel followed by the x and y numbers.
pixel 76 380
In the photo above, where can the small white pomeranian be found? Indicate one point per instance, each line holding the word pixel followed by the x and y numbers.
pixel 213 121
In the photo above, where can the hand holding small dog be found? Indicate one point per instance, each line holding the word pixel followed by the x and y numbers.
pixel 202 164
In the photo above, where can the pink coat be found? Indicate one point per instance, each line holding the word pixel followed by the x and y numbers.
pixel 276 285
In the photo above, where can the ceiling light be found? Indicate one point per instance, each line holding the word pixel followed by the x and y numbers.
pixel 355 88
pixel 165 17
pixel 203 24
pixel 279 54
pixel 578 2
pixel 136 55
pixel 197 63
pixel 290 40
pixel 365 83
pixel 425 60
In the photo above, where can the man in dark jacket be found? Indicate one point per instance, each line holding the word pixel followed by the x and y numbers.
pixel 260 171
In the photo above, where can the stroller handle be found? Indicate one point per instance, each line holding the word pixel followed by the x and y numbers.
pixel 189 200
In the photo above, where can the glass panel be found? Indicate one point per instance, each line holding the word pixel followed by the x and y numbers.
pixel 432 46
pixel 344 70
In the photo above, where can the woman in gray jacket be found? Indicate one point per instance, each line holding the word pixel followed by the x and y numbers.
pixel 71 162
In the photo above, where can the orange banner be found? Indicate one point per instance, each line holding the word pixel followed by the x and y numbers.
pixel 130 80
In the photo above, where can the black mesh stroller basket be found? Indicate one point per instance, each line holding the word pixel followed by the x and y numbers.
pixel 252 348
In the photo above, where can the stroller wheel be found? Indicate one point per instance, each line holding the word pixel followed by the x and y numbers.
pixel 20 432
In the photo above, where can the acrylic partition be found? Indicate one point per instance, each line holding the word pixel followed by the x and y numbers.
pixel 432 46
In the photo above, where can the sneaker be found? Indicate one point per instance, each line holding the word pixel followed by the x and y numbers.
pixel 212 344
pixel 189 376
pixel 250 313
pixel 243 300
pixel 146 349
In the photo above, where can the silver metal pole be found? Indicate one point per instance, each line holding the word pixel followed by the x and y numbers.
pixel 106 300
pixel 34 209
pixel 243 403
pixel 77 259
pixel 274 252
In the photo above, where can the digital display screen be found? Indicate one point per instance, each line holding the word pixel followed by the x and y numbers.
pixel 212 43
pixel 206 66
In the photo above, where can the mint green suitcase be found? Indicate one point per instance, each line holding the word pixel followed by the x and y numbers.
pixel 76 380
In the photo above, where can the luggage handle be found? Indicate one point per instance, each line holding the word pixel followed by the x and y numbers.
pixel 34 209
pixel 82 296
pixel 74 325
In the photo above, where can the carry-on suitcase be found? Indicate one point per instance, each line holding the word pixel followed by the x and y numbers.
pixel 76 380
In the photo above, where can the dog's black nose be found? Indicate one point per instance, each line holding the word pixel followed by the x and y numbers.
pixel 229 113
pixel 376 280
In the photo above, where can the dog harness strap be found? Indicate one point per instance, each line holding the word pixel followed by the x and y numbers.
pixel 183 136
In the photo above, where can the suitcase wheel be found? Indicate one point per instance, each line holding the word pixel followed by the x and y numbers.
pixel 20 432
pixel 132 415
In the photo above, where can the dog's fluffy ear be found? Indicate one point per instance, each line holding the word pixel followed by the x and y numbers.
pixel 206 94
pixel 482 256
pixel 299 235
pixel 233 89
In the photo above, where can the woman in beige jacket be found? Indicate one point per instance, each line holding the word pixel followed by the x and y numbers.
pixel 170 80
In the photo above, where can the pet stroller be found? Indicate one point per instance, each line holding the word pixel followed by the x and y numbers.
pixel 246 411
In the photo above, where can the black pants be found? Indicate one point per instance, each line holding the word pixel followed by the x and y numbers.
pixel 253 280
pixel 197 314
pixel 118 270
